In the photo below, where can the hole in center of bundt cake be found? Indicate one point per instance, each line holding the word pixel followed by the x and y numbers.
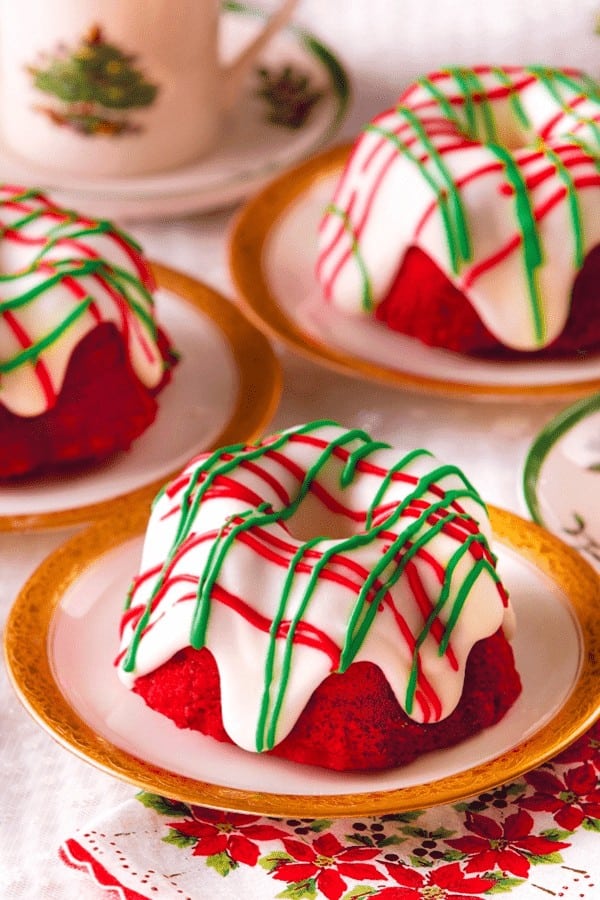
pixel 509 131
pixel 314 519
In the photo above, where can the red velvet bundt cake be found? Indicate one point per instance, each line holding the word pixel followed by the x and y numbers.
pixel 324 598
pixel 81 356
pixel 469 215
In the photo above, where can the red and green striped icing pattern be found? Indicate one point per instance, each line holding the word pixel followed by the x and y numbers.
pixel 61 275
pixel 419 528
pixel 527 134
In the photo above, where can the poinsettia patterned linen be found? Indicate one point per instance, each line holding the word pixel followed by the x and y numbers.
pixel 538 837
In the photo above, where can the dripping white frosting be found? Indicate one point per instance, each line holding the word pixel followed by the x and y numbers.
pixel 42 286
pixel 251 591
pixel 509 159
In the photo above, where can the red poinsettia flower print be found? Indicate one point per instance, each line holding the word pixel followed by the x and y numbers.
pixel 505 847
pixel 225 832
pixel 571 800
pixel 585 749
pixel 444 883
pixel 328 862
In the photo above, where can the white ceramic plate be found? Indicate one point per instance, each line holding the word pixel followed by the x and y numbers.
pixel 273 253
pixel 561 479
pixel 224 389
pixel 251 151
pixel 62 638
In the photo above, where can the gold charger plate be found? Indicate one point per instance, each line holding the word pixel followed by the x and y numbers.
pixel 61 638
pixel 272 256
pixel 225 389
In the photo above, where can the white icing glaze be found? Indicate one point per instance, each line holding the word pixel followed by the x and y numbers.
pixel 40 245
pixel 254 571
pixel 391 196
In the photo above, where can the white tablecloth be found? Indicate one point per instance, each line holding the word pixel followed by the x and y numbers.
pixel 46 792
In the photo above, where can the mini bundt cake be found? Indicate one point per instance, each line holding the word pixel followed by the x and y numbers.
pixel 468 216
pixel 81 355
pixel 322 597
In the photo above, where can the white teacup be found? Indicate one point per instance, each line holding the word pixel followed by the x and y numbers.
pixel 117 87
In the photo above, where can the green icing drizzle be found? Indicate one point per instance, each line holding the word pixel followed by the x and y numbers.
pixel 349 470
pixel 367 290
pixel 128 285
pixel 447 108
pixel 471 85
pixel 462 240
pixel 121 280
pixel 477 108
pixel 513 96
pixel 402 464
pixel 32 352
pixel 388 569
pixel 264 742
pixel 359 626
pixel 213 467
pixel 461 77
pixel 551 77
pixel 448 197
pixel 459 602
pixel 66 269
pixel 589 152
pixel 532 251
pixel 573 201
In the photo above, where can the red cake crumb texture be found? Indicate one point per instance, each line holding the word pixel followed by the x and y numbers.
pixel 82 357
pixel 353 720
pixel 383 636
pixel 102 408
pixel 423 303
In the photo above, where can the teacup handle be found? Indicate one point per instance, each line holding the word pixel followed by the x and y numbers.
pixel 233 74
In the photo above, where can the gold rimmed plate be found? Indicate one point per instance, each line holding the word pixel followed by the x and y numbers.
pixel 61 639
pixel 224 389
pixel 272 256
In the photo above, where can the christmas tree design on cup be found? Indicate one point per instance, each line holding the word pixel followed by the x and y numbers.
pixel 93 83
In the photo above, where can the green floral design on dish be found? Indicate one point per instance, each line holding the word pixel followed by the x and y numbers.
pixel 579 531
